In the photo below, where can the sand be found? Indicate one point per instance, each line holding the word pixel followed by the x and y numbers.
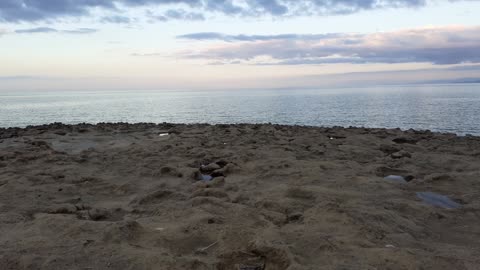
pixel 120 196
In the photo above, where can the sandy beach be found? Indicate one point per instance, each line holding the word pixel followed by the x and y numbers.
pixel 249 197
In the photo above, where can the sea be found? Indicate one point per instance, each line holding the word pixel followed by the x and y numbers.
pixel 452 108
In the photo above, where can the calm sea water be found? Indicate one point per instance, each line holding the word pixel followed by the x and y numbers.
pixel 445 108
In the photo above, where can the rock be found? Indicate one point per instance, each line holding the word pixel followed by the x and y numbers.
pixel 97 214
pixel 401 154
pixel 217 182
pixel 396 178
pixel 222 163
pixel 210 167
pixel 399 179
pixel 388 149
pixel 225 171
pixel 217 173
pixel 383 171
pixel 62 209
pixel 295 217
pixel 438 177
pixel 169 171
pixel 60 132
pixel 405 140
pixel 43 144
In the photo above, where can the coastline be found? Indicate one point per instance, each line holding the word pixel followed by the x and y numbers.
pixel 131 196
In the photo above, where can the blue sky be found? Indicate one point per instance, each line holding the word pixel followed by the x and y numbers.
pixel 207 44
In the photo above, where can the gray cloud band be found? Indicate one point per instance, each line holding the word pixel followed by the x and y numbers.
pixel 38 10
pixel 53 30
pixel 439 45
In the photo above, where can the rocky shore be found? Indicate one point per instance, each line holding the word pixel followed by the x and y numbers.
pixel 249 197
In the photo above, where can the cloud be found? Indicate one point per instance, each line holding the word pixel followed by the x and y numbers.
pixel 116 19
pixel 175 14
pixel 79 31
pixel 39 10
pixel 233 38
pixel 53 30
pixel 35 10
pixel 36 30
pixel 146 54
pixel 436 45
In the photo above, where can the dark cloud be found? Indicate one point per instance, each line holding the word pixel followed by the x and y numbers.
pixel 440 46
pixel 35 10
pixel 39 10
pixel 53 30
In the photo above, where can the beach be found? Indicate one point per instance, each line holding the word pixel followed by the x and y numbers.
pixel 245 196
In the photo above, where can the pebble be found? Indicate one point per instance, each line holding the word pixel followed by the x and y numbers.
pixel 401 154
pixel 210 167
pixel 98 214
pixel 396 178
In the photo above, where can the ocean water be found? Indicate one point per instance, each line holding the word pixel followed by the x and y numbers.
pixel 446 108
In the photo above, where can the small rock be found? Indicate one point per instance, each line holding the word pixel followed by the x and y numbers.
pixel 170 171
pixel 217 173
pixel 405 140
pixel 388 149
pixel 296 217
pixel 222 163
pixel 87 242
pixel 210 167
pixel 60 132
pixel 225 171
pixel 98 214
pixel 217 182
pixel 401 154
pixel 399 179
pixel 63 209
pixel 396 178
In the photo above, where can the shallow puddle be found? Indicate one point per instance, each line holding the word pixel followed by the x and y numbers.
pixel 206 177
pixel 435 199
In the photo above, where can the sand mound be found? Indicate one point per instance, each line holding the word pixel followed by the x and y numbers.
pixel 249 197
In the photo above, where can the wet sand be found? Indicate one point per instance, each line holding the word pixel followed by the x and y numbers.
pixel 120 196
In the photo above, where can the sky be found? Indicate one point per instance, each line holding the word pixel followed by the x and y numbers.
pixel 235 44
